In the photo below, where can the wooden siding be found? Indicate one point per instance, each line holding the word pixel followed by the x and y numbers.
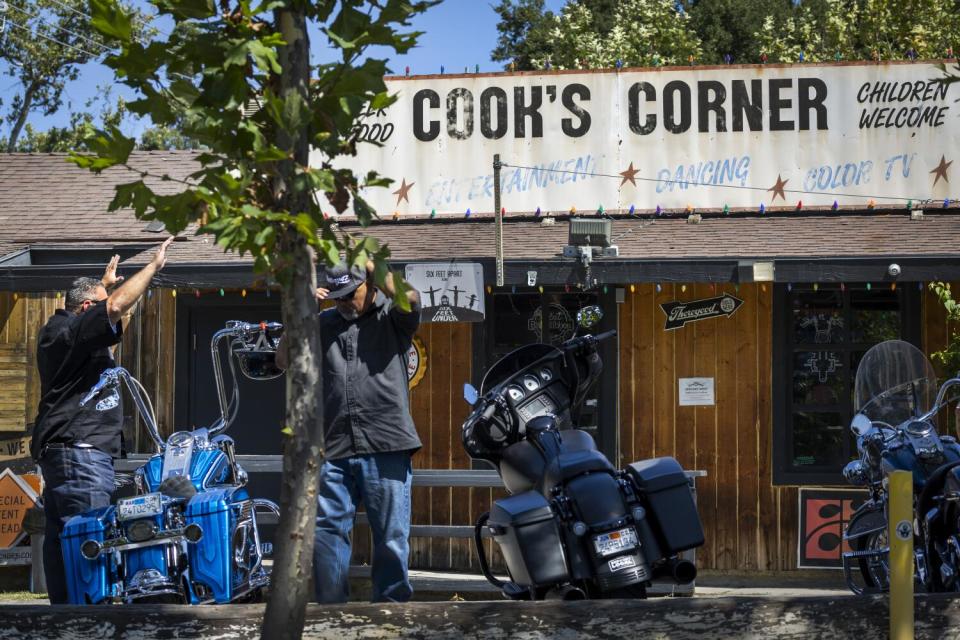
pixel 147 350
pixel 749 523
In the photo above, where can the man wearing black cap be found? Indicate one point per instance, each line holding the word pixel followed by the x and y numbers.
pixel 368 432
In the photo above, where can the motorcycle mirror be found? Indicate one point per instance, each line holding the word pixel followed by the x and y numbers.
pixel 470 394
pixel 589 316
pixel 861 424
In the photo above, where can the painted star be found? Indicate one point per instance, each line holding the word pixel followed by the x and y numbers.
pixel 404 189
pixel 941 170
pixel 778 188
pixel 629 175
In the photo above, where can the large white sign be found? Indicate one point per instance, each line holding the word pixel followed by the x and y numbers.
pixel 740 136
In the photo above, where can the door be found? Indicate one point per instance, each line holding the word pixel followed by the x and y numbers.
pixel 256 429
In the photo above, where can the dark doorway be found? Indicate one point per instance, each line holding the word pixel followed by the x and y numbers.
pixel 256 429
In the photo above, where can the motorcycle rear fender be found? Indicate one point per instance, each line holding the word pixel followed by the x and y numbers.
pixel 868 519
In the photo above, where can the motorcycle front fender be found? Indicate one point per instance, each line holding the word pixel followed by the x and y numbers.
pixel 868 519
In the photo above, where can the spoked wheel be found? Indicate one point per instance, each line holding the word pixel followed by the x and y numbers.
pixel 875 569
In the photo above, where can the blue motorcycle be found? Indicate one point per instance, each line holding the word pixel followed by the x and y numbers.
pixel 189 535
pixel 897 402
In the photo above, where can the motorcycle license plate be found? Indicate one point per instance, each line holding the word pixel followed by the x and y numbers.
pixel 615 541
pixel 139 507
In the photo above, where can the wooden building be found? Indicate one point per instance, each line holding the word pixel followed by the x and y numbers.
pixel 814 291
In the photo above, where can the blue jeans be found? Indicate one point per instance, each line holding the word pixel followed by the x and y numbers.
pixel 75 480
pixel 382 481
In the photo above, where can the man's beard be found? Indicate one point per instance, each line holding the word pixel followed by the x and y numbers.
pixel 349 314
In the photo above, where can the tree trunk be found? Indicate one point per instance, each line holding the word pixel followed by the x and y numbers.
pixel 21 117
pixel 303 448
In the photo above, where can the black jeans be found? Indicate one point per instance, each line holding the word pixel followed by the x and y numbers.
pixel 75 480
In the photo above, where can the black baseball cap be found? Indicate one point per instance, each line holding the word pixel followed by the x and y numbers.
pixel 341 280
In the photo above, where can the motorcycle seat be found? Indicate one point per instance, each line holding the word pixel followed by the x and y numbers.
pixel 571 464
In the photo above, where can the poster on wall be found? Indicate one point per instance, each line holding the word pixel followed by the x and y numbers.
pixel 824 514
pixel 696 392
pixel 674 137
pixel 449 291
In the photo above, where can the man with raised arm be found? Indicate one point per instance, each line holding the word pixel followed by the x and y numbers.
pixel 74 445
pixel 369 434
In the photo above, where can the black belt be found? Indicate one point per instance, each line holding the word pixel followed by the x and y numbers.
pixel 64 445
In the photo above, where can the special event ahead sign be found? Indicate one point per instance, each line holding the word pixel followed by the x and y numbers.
pixel 706 137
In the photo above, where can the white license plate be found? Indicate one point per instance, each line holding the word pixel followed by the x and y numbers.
pixel 139 507
pixel 609 543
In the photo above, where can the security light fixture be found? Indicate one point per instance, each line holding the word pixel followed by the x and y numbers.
pixel 590 238
pixel 586 232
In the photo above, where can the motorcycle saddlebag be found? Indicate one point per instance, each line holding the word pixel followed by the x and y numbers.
pixel 211 557
pixel 525 529
pixel 663 484
pixel 88 581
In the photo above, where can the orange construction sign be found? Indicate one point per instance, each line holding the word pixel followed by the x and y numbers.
pixel 16 496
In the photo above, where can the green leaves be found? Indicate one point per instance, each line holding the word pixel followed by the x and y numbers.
pixel 109 148
pixel 110 19
pixel 253 184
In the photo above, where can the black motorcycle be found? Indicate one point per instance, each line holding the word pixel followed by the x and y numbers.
pixel 897 402
pixel 574 527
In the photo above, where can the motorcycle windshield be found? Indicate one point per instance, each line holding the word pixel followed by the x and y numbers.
pixel 514 362
pixel 895 382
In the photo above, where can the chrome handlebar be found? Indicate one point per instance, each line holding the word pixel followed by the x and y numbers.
pixel 111 378
pixel 228 410
pixel 234 329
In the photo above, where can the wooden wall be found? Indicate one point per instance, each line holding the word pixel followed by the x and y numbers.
pixel 749 523
pixel 146 350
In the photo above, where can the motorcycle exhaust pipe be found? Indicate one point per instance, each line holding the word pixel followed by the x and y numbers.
pixel 566 592
pixel 679 570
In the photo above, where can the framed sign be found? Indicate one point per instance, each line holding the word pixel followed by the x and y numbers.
pixel 824 514
pixel 696 392
pixel 449 291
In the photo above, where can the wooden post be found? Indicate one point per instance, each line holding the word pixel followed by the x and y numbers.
pixel 900 535
pixel 499 217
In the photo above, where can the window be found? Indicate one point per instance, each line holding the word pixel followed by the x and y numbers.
pixel 820 335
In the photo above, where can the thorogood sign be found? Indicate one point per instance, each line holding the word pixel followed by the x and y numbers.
pixel 703 137
pixel 680 313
